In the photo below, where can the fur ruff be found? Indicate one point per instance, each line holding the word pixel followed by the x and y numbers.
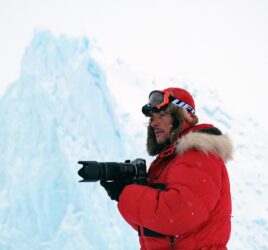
pixel 220 145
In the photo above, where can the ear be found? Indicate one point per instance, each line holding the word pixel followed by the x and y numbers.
pixel 189 117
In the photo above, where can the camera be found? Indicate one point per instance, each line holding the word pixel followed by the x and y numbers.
pixel 109 171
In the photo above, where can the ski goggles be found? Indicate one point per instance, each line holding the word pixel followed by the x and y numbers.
pixel 158 101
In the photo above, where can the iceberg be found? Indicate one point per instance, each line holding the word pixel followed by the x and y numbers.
pixel 59 111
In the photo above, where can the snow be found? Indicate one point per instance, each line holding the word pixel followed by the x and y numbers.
pixel 71 103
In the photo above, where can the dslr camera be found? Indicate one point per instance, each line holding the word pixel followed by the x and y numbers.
pixel 110 171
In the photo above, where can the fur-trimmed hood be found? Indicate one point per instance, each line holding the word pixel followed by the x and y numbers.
pixel 220 145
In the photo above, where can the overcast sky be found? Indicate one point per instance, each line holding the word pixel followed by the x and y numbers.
pixel 223 44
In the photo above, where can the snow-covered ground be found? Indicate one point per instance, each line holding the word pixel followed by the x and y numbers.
pixel 73 103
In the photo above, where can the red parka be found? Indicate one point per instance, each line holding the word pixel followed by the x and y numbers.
pixel 187 203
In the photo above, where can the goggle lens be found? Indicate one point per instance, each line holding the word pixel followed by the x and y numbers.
pixel 157 102
pixel 156 98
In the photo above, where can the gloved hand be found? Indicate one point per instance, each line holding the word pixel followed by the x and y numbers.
pixel 114 188
pixel 139 181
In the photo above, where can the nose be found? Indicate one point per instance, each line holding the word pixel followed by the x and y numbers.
pixel 154 122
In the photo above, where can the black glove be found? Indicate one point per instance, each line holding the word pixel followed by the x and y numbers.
pixel 140 181
pixel 114 188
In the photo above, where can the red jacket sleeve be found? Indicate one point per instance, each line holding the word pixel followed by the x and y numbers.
pixel 192 191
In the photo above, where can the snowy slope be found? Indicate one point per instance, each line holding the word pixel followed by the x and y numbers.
pixel 72 103
pixel 58 112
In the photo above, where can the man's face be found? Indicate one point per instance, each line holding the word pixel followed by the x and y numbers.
pixel 162 124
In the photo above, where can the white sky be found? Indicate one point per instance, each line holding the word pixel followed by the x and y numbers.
pixel 210 42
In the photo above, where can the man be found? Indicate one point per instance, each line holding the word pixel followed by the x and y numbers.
pixel 186 202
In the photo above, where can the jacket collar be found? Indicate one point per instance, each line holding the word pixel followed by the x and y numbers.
pixel 170 150
pixel 190 138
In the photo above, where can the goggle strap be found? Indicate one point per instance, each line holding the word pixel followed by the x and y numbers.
pixel 182 104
